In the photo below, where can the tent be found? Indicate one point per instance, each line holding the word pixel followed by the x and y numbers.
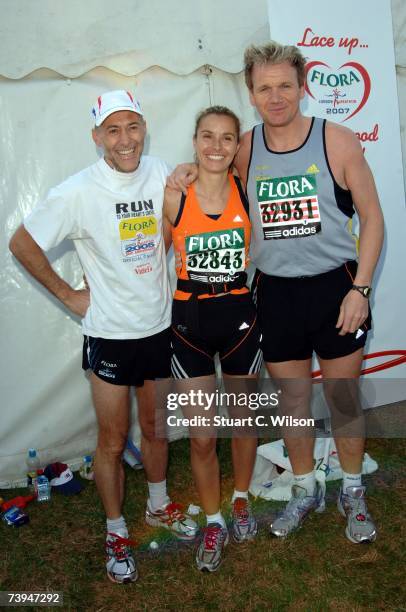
pixel 55 59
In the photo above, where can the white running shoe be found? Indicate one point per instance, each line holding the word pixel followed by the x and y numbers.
pixel 173 518
pixel 360 526
pixel 120 563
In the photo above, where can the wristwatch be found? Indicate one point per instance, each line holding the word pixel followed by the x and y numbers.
pixel 364 290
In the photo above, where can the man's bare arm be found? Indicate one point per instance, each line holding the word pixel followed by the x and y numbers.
pixel 183 176
pixel 34 260
pixel 357 177
pixel 172 198
pixel 243 157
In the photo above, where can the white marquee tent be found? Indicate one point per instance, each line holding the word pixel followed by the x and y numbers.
pixel 56 58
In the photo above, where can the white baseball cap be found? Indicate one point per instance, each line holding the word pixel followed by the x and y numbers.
pixel 113 101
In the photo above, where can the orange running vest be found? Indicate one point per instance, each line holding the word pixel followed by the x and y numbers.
pixel 212 251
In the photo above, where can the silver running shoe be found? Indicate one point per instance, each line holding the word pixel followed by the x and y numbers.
pixel 297 509
pixel 120 564
pixel 173 518
pixel 360 526
pixel 244 525
pixel 208 555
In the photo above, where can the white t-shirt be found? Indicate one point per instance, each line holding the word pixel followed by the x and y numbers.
pixel 115 221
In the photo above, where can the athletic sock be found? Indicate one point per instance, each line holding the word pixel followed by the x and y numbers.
pixel 158 497
pixel 216 518
pixel 351 480
pixel 117 525
pixel 306 481
pixel 243 494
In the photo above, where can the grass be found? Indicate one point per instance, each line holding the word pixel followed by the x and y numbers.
pixel 315 570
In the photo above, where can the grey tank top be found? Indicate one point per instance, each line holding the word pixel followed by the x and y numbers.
pixel 301 218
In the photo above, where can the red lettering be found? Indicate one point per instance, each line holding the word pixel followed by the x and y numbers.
pixel 303 43
pixel 348 43
pixel 372 136
pixel 315 41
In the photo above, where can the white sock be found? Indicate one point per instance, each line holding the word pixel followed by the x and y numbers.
pixel 117 525
pixel 158 497
pixel 306 481
pixel 243 494
pixel 351 480
pixel 216 518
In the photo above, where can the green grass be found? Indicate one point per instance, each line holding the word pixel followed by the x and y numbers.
pixel 314 570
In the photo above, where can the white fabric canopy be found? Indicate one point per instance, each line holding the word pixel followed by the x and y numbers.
pixel 128 36
pixel 55 59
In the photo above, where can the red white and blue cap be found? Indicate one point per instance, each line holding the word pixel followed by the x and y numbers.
pixel 113 101
pixel 61 478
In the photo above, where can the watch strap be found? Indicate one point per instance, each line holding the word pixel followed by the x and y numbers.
pixel 364 290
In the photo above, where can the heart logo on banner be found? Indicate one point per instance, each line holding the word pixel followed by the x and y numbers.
pixel 341 93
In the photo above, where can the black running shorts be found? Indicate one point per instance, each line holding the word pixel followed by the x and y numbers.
pixel 299 315
pixel 226 325
pixel 129 362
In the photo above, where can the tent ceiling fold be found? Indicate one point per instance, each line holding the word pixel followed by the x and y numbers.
pixel 127 36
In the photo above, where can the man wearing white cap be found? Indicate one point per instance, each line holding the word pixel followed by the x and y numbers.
pixel 113 212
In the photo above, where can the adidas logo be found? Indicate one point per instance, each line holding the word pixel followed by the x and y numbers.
pixel 237 219
pixel 299 231
pixel 313 169
pixel 244 326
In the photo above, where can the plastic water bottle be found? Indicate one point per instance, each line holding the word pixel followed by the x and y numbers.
pixel 86 470
pixel 42 488
pixel 33 465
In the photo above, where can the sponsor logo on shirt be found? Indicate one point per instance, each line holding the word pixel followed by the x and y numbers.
pixel 131 247
pixel 143 269
pixel 219 254
pixel 139 227
pixel 125 210
pixel 289 206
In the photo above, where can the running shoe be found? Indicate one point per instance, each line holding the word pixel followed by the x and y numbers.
pixel 173 518
pixel 208 555
pixel 296 510
pixel 360 526
pixel 244 526
pixel 120 564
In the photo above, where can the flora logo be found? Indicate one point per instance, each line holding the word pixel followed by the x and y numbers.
pixel 342 92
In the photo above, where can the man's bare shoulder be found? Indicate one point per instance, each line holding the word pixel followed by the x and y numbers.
pixel 340 136
pixel 246 136
pixel 242 158
pixel 245 142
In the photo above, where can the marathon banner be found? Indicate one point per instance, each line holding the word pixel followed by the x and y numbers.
pixel 351 79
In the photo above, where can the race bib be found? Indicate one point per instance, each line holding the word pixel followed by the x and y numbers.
pixel 215 256
pixel 289 207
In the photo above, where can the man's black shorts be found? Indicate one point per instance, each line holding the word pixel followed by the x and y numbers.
pixel 129 362
pixel 226 325
pixel 299 315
